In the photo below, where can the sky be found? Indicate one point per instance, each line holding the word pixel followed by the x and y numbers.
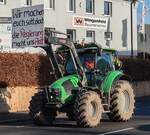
pixel 147 18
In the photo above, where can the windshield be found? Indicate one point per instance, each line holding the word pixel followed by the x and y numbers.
pixel 109 58
pixel 87 61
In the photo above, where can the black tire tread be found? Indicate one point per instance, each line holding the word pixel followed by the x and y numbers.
pixel 37 104
pixel 80 111
pixel 116 114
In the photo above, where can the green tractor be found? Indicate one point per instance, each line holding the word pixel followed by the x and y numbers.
pixel 85 85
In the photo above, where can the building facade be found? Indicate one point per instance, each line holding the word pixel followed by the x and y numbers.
pixel 144 43
pixel 60 14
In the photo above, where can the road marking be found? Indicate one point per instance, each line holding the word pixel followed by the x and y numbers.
pixel 117 131
pixel 20 126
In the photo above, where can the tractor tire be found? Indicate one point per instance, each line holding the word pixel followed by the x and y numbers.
pixel 70 116
pixel 122 102
pixel 88 109
pixel 39 114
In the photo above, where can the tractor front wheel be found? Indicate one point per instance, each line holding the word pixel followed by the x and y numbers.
pixel 122 101
pixel 88 109
pixel 70 116
pixel 39 114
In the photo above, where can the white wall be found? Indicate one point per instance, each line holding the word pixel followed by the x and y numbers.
pixel 121 16
pixel 121 27
pixel 5 10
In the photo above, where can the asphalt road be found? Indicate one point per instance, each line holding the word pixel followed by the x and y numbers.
pixel 139 125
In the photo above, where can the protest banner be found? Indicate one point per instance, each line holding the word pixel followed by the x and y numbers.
pixel 28 26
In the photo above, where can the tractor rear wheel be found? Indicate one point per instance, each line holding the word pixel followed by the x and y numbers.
pixel 40 115
pixel 122 101
pixel 88 109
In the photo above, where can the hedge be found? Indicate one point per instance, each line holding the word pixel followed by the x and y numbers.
pixel 137 69
pixel 24 70
pixel 34 70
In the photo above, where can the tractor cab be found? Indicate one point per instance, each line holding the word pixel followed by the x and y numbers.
pixel 117 64
pixel 95 64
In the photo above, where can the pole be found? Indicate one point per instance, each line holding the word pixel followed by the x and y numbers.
pixel 142 27
pixel 131 6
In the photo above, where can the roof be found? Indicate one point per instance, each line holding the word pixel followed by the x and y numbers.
pixel 79 46
pixel 110 50
pixel 88 47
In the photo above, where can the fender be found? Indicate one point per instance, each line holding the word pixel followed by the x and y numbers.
pixel 111 78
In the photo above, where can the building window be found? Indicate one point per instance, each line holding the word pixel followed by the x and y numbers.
pixel 89 6
pixel 2 1
pixel 51 29
pixel 71 34
pixel 72 5
pixel 50 4
pixel 108 36
pixel 26 2
pixel 90 36
pixel 107 8
pixel 142 37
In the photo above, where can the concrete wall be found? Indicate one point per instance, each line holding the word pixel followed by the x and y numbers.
pixel 15 99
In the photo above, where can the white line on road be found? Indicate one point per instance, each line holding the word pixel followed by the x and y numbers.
pixel 117 131
pixel 20 126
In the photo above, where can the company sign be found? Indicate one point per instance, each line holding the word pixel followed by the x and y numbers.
pixel 28 26
pixel 90 22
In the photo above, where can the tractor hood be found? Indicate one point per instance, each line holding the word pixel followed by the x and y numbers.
pixel 62 88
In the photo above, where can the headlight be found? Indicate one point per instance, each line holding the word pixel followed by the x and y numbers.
pixel 55 93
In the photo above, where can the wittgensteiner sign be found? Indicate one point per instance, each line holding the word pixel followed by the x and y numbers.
pixel 28 26
pixel 90 22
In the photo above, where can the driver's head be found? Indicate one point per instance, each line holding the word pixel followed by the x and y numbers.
pixel 90 64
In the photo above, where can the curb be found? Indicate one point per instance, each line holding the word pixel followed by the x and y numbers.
pixel 14 120
pixel 23 119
